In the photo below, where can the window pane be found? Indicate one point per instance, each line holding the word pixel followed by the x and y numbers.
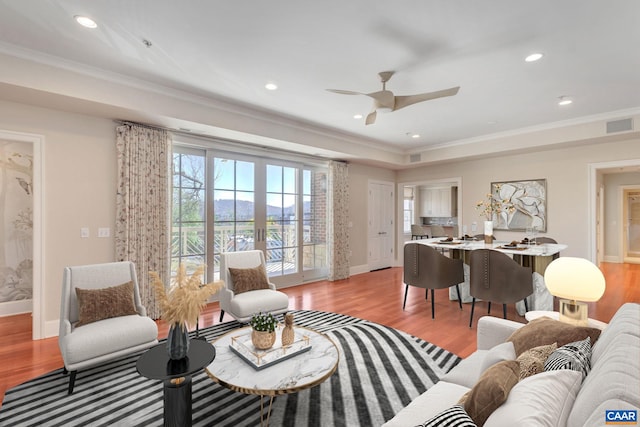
pixel 223 173
pixel 289 207
pixel 274 179
pixel 306 182
pixel 244 176
pixel 223 205
pixel 289 180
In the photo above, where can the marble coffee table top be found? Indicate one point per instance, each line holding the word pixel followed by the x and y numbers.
pixel 301 371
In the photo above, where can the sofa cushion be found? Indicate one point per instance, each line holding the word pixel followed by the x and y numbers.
pixel 575 356
pixel 532 361
pixel 491 390
pixel 450 417
pixel 441 396
pixel 611 384
pixel 544 331
pixel 626 320
pixel 540 400
pixel 104 303
pixel 248 279
pixel 499 353
pixel 249 303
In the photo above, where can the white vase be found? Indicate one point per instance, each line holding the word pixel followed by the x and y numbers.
pixel 488 231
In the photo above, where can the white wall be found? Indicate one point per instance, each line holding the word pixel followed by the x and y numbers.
pixel 566 172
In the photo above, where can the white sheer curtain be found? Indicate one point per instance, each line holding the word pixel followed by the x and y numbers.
pixel 337 220
pixel 143 215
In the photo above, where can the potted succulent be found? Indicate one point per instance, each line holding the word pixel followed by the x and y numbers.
pixel 263 330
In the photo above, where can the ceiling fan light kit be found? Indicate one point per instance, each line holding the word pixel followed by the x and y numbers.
pixel 386 101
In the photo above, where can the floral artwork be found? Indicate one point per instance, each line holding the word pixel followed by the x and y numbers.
pixel 16 221
pixel 528 202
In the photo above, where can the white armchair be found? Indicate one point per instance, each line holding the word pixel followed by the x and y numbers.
pixel 86 338
pixel 243 305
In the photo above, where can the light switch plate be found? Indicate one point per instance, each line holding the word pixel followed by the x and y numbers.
pixel 84 232
pixel 104 232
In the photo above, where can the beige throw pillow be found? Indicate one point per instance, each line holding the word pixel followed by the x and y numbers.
pixel 491 390
pixel 532 360
pixel 104 303
pixel 248 279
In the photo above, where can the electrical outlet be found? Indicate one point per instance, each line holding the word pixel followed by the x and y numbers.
pixel 104 232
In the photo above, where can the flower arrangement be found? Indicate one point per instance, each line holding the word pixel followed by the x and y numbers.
pixel 493 205
pixel 186 297
pixel 263 322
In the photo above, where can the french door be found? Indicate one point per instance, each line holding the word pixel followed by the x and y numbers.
pixel 274 206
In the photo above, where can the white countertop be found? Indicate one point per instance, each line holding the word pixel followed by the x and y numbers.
pixel 545 249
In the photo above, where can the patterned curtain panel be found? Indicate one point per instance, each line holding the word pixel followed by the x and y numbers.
pixel 337 219
pixel 142 208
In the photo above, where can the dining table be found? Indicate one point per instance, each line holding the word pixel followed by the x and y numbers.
pixel 535 256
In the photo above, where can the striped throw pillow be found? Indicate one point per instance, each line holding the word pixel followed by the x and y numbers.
pixel 451 417
pixel 575 356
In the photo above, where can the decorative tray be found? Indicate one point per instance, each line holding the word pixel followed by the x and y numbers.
pixel 260 359
pixel 448 242
pixel 512 248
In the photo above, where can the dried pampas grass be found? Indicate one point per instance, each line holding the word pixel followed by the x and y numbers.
pixel 186 297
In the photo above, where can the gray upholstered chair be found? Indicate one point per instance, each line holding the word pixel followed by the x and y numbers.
pixel 105 291
pixel 494 276
pixel 243 305
pixel 425 267
pixel 438 231
pixel 481 237
pixel 543 239
pixel 418 232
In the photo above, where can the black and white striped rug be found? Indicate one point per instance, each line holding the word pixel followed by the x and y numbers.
pixel 381 370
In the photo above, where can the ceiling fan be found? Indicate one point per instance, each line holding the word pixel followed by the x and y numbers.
pixel 385 100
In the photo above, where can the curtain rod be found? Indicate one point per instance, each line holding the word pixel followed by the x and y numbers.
pixel 223 140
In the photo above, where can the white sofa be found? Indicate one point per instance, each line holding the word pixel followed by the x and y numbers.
pixel 547 398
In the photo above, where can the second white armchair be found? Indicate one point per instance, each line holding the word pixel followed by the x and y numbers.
pixel 247 289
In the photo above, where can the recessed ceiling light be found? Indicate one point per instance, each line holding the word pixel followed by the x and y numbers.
pixel 85 21
pixel 533 57
pixel 271 86
pixel 564 101
pixel 415 136
pixel 357 116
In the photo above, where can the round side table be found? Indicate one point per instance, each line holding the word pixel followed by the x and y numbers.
pixel 531 315
pixel 176 377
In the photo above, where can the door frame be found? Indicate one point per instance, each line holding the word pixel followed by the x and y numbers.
pixel 400 200
pixel 594 171
pixel 37 302
pixel 623 215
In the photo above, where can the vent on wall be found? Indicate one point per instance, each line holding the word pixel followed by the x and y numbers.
pixel 620 125
pixel 414 158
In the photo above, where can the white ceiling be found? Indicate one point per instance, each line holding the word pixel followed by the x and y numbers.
pixel 227 51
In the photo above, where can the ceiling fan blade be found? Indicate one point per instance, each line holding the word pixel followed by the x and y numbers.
pixel 405 101
pixel 371 118
pixel 345 92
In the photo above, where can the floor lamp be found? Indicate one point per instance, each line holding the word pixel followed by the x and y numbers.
pixel 574 280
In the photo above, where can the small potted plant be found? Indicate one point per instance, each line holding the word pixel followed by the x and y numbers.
pixel 263 333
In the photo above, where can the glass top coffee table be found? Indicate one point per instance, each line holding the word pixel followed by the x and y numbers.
pixel 290 375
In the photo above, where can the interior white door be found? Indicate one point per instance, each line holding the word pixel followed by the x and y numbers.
pixel 380 230
pixel 631 220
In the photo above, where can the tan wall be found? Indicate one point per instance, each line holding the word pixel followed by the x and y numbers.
pixel 79 189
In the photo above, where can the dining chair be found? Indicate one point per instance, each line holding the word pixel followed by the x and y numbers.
pixel 481 237
pixel 425 267
pixel 438 231
pixel 545 240
pixel 418 232
pixel 496 277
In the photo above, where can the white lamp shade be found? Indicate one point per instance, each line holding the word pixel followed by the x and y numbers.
pixel 575 279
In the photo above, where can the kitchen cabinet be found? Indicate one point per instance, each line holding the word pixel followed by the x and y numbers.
pixel 435 202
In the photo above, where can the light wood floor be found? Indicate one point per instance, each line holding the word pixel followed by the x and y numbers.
pixel 375 296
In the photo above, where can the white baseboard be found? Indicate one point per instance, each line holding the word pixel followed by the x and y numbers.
pixel 11 308
pixel 359 269
pixel 51 328
pixel 612 258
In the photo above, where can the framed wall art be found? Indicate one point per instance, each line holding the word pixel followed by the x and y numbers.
pixel 528 205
